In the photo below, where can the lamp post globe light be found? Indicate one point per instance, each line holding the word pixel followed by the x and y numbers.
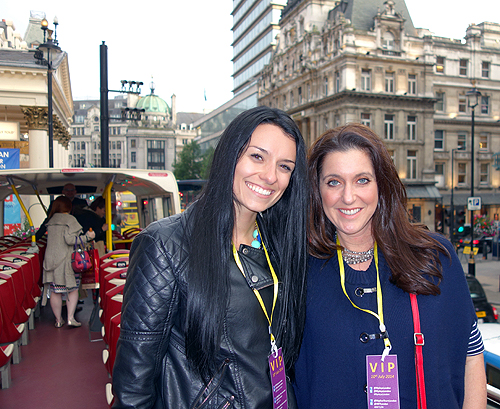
pixel 45 55
pixel 473 96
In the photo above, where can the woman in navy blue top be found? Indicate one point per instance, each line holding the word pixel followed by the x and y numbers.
pixel 358 347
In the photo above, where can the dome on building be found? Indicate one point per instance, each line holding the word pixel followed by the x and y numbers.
pixel 153 104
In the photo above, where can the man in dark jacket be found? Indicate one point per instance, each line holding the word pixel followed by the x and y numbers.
pixel 69 190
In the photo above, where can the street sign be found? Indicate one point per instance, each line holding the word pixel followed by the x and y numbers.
pixel 467 250
pixel 474 203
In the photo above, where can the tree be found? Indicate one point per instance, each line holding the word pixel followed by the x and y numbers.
pixel 207 162
pixel 190 164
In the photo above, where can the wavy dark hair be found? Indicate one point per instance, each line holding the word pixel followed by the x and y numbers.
pixel 214 215
pixel 411 253
pixel 99 202
pixel 61 205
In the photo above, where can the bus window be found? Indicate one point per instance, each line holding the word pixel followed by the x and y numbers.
pixel 167 206
pixel 493 376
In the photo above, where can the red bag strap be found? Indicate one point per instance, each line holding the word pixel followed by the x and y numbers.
pixel 418 338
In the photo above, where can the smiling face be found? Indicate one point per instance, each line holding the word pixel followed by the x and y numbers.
pixel 264 169
pixel 349 195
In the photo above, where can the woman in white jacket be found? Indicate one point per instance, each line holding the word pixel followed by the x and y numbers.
pixel 58 275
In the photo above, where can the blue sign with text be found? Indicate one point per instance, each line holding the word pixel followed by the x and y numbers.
pixel 9 158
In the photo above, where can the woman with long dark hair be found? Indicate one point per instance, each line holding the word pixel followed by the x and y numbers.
pixel 368 263
pixel 213 304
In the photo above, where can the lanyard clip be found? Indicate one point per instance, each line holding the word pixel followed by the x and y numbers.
pixel 274 348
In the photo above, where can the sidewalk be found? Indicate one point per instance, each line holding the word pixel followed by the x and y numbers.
pixel 488 274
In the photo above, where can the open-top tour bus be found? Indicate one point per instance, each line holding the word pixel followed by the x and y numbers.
pixel 156 192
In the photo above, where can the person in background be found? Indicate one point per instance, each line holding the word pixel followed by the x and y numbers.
pixel 69 190
pixel 58 275
pixel 93 217
pixel 213 292
pixel 367 258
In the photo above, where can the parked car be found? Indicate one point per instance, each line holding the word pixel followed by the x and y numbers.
pixel 491 338
pixel 484 310
pixel 478 242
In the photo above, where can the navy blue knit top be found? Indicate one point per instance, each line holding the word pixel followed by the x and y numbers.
pixel 331 369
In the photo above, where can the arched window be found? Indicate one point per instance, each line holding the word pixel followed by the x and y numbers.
pixel 388 41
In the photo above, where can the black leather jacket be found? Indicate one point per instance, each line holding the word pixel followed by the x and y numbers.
pixel 151 369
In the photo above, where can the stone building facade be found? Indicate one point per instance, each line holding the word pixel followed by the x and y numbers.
pixel 151 141
pixel 363 61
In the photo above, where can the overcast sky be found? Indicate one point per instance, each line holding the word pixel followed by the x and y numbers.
pixel 185 45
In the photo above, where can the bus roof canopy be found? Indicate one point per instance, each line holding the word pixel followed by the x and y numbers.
pixel 87 181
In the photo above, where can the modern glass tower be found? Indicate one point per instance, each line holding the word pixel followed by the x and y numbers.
pixel 255 27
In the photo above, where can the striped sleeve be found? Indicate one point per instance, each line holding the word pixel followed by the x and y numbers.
pixel 476 345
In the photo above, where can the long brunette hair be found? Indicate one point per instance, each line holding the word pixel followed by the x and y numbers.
pixel 210 244
pixel 410 251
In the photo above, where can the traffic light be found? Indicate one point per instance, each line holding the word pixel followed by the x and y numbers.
pixel 447 219
pixel 460 221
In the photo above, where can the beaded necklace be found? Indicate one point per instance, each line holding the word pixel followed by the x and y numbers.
pixel 355 257
pixel 256 238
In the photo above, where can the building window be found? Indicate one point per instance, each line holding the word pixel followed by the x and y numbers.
pixel 118 145
pixel 438 140
pixel 337 81
pixel 83 145
pixel 114 145
pixel 439 168
pixel 96 128
pixel 439 174
pixel 300 95
pixel 411 165
pixel 284 102
pixel 485 105
pixel 483 142
pixel 462 103
pixel 133 157
pixel 185 141
pixel 440 65
pixel 388 41
pixel 412 127
pixel 325 123
pixel 484 173
pixel 462 141
pixel 96 119
pixel 78 145
pixel 308 92
pixel 132 143
pixel 366 119
pixel 389 126
pixel 462 173
pixel 292 102
pixel 325 82
pixel 412 84
pixel 365 80
pixel 485 69
pixel 389 82
pixel 440 101
pixel 156 154
pixel 463 67
pixel 79 119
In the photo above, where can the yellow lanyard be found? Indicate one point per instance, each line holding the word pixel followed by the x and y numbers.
pixel 274 349
pixel 380 310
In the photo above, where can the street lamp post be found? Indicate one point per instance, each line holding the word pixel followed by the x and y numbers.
pixel 472 101
pixel 45 55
